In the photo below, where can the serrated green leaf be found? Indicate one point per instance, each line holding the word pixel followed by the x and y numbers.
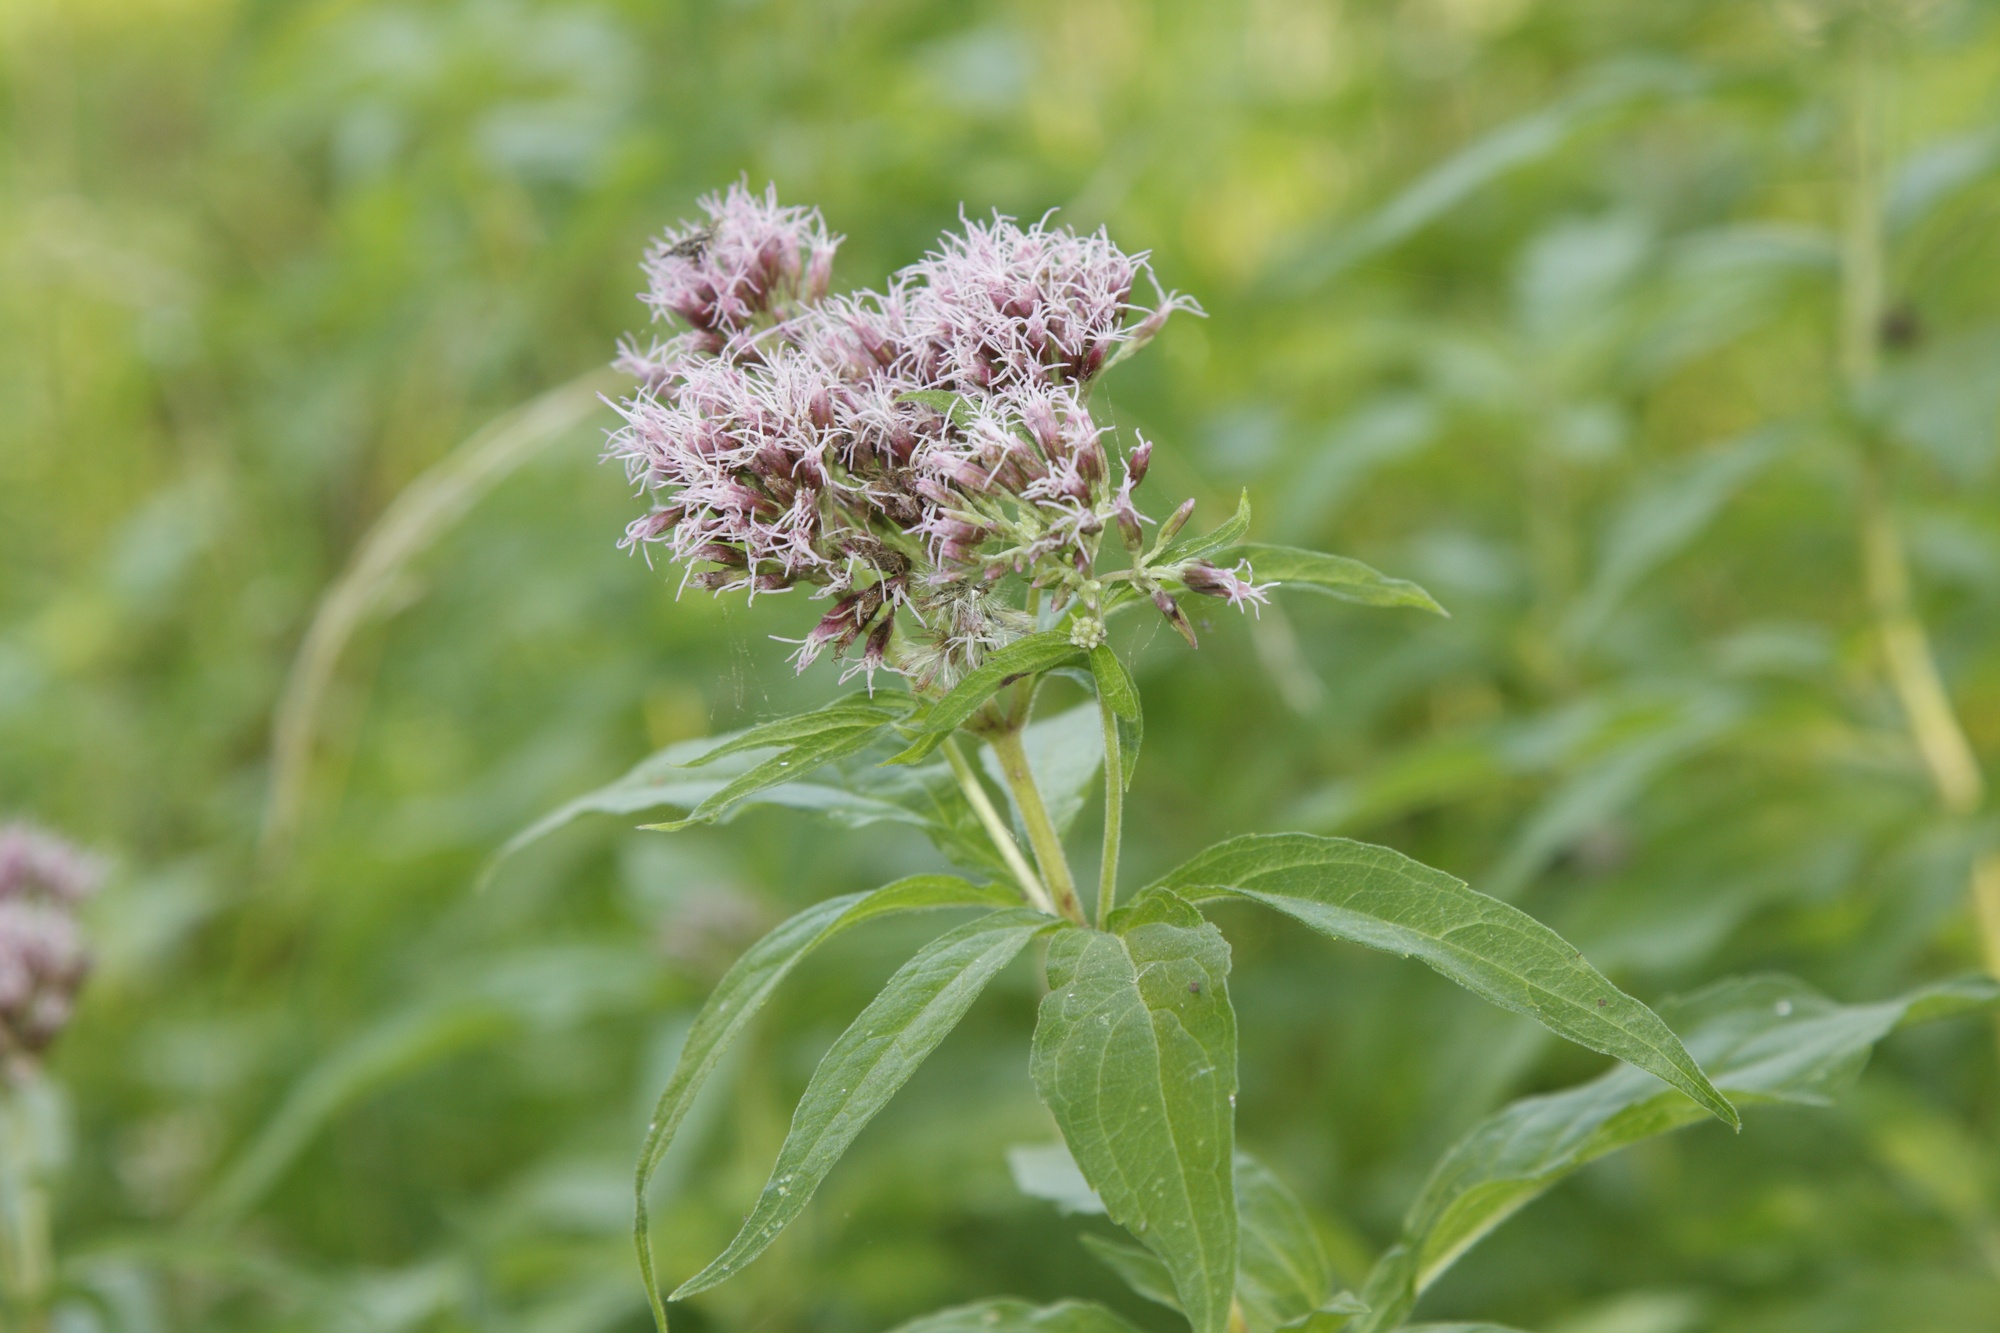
pixel 1114 682
pixel 1008 1316
pixel 1333 575
pixel 1224 535
pixel 1763 1039
pixel 1135 1054
pixel 1383 899
pixel 1030 656
pixel 916 1009
pixel 742 992
pixel 1282 1276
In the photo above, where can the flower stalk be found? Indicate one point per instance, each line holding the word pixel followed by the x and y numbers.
pixel 1042 835
pixel 996 828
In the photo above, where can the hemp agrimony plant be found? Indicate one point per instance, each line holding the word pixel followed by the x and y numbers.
pixel 924 461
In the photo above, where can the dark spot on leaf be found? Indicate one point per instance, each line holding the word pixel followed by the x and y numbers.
pixel 1194 988
pixel 1602 1003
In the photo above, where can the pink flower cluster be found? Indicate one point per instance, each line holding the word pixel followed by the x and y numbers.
pixel 902 452
pixel 43 960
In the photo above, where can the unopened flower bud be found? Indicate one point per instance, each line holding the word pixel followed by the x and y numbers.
pixel 1176 521
pixel 1139 459
pixel 1175 617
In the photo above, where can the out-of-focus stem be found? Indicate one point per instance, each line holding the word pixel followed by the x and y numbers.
pixel 29 1259
pixel 1114 813
pixel 996 828
pixel 1042 836
pixel 1906 647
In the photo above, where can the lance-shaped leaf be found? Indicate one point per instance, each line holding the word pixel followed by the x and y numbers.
pixel 898 1030
pixel 1763 1040
pixel 1333 575
pixel 1224 535
pixel 1135 1054
pixel 1007 1316
pixel 1383 899
pixel 1282 1276
pixel 1029 656
pixel 804 741
pixel 742 992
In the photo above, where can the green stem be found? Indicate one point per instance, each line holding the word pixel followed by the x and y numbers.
pixel 28 1255
pixel 1035 817
pixel 996 828
pixel 1114 814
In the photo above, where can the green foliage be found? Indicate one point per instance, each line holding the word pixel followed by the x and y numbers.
pixel 1382 899
pixel 1135 1054
pixel 1545 307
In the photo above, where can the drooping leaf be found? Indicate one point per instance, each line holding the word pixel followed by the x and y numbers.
pixel 1333 575
pixel 1036 653
pixel 804 743
pixel 1224 535
pixel 1381 898
pixel 917 1009
pixel 743 990
pixel 1764 1039
pixel 1135 1054
pixel 1009 1316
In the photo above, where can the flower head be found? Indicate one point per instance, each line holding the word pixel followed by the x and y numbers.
pixel 43 958
pixel 1233 584
pixel 916 455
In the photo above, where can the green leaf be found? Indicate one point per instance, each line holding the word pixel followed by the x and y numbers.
pixel 662 780
pixel 1383 899
pixel 1222 536
pixel 842 715
pixel 806 742
pixel 1136 1266
pixel 1029 656
pixel 1047 1171
pixel 1282 1276
pixel 1763 1039
pixel 1009 1316
pixel 1135 1054
pixel 743 990
pixel 1333 575
pixel 1114 682
pixel 917 1009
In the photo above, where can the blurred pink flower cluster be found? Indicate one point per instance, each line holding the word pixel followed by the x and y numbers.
pixel 903 453
pixel 43 960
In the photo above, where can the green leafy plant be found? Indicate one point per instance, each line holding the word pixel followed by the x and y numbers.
pixel 927 460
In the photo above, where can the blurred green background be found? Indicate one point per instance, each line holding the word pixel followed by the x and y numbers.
pixel 1536 301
